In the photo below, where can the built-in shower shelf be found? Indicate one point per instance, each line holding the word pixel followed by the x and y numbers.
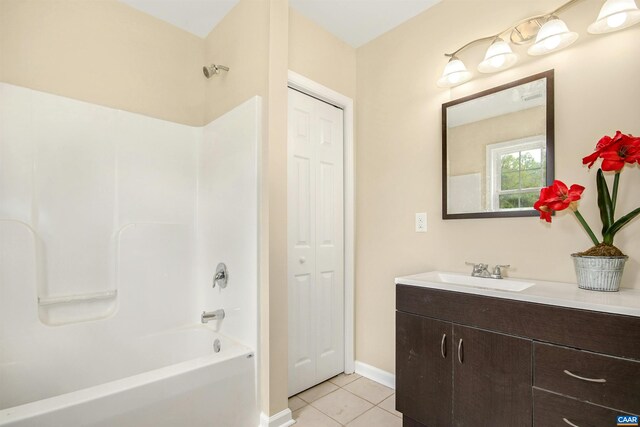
pixel 66 299
pixel 74 308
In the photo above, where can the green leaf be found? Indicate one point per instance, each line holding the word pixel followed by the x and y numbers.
pixel 586 227
pixel 604 202
pixel 616 226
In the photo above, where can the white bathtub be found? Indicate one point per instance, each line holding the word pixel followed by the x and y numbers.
pixel 172 378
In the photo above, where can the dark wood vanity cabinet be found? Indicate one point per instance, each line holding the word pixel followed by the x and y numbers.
pixel 469 360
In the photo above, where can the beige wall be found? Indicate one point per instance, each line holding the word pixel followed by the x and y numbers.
pixel 399 154
pixel 103 52
pixel 241 42
pixel 320 56
pixel 277 191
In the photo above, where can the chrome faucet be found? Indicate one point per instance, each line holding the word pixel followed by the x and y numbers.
pixel 479 270
pixel 482 270
pixel 206 316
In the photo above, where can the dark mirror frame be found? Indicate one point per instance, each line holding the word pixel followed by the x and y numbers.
pixel 550 152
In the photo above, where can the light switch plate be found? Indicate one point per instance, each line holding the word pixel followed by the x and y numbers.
pixel 421 222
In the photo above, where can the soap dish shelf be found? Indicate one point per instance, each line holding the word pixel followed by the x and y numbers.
pixel 67 299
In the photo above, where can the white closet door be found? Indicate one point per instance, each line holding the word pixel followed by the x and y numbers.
pixel 315 241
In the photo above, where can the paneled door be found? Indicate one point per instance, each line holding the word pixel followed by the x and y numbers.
pixel 315 241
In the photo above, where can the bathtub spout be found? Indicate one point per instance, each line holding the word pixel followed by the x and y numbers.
pixel 206 316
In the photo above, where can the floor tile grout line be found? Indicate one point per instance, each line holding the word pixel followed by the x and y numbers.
pixel 374 405
pixel 354 395
pixel 362 414
pixel 386 410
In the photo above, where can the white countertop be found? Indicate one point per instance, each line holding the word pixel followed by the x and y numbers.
pixel 626 301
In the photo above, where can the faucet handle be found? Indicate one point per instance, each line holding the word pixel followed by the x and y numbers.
pixel 479 269
pixel 497 270
pixel 477 265
pixel 221 276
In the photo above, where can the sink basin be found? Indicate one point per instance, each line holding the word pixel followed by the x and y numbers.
pixel 479 282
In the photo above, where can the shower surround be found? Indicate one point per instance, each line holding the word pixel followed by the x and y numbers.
pixel 111 226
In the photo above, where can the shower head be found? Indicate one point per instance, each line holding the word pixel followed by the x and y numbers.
pixel 213 69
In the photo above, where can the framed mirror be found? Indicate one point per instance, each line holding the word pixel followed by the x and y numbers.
pixel 497 149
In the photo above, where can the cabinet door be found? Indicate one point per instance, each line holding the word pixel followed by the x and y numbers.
pixel 424 369
pixel 491 379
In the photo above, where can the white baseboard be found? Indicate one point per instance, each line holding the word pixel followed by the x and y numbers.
pixel 376 374
pixel 281 419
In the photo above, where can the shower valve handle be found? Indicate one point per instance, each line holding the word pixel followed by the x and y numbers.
pixel 221 277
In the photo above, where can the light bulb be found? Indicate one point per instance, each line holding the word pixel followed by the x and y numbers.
pixel 552 42
pixel 616 20
pixel 455 73
pixel 497 61
pixel 454 78
pixel 499 57
pixel 552 36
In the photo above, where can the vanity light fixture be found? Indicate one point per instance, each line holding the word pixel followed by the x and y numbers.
pixel 615 15
pixel 549 32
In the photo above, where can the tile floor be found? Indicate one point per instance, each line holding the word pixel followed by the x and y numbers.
pixel 346 400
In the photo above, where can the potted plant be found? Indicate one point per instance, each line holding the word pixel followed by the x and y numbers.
pixel 600 267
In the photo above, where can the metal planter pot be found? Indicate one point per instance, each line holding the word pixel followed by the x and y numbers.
pixel 599 273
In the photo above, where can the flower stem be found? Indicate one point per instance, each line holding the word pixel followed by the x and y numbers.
pixel 586 227
pixel 614 196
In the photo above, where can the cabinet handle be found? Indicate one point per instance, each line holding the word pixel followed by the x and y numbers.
pixel 460 350
pixel 591 380
pixel 442 343
pixel 570 423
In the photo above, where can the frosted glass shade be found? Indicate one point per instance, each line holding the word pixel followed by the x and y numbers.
pixel 455 73
pixel 554 35
pixel 615 15
pixel 499 57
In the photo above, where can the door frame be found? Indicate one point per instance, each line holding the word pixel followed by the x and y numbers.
pixel 323 93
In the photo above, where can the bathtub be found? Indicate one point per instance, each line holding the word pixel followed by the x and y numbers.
pixel 172 378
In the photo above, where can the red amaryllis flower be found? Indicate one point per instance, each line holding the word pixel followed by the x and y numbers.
pixel 556 197
pixel 604 142
pixel 615 152
pixel 619 143
pixel 625 150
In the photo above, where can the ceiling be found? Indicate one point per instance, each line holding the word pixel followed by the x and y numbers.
pixel 356 22
pixel 198 17
pixel 359 21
